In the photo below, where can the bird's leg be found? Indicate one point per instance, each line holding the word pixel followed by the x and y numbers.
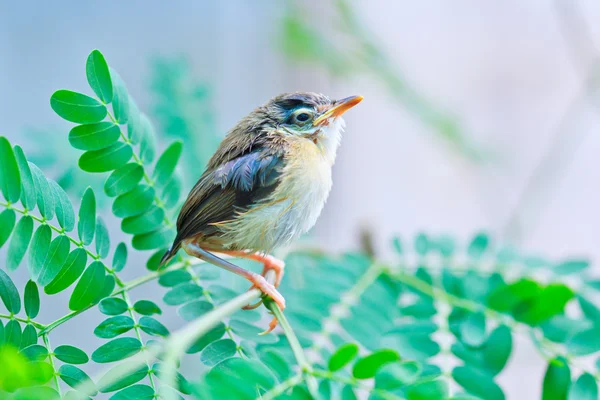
pixel 257 280
pixel 269 262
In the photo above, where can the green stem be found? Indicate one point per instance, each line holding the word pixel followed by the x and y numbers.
pixel 305 367
pixel 282 387
pixel 23 320
pixel 51 358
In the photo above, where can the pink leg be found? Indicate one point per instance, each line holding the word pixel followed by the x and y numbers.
pixel 268 262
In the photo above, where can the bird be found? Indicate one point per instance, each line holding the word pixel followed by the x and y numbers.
pixel 265 185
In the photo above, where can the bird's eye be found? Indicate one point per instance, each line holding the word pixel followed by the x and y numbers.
pixel 303 117
pixel 300 117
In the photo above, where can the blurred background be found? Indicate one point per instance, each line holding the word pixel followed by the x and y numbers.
pixel 477 115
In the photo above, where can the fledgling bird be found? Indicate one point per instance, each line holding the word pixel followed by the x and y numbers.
pixel 265 185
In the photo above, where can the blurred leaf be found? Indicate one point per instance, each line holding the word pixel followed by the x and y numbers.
pixel 477 382
pixel 102 238
pixel 40 244
pixel 12 332
pixel 571 267
pixel 585 388
pixel 151 220
pixel 152 327
pixel 73 376
pixel 342 356
pixel 63 207
pixel 585 342
pixel 107 159
pixel 114 326
pixel 77 107
pixel 96 136
pixel 165 166
pixel 123 179
pixel 45 195
pixel 496 351
pixel 86 226
pixel 55 259
pixel 194 309
pixel 88 287
pixel 10 177
pixel 147 140
pixel 120 257
pixel 367 367
pixel 113 306
pixel 135 392
pixel 212 335
pixel 9 294
pixel 120 101
pixel 35 352
pixel 478 245
pixel 116 349
pixel 551 301
pixel 28 336
pixel 397 374
pixel 7 223
pixel 174 278
pixel 19 243
pixel 71 270
pixel 472 330
pixel 28 194
pixel 153 240
pixel 134 202
pixel 31 299
pixel 146 307
pixel 70 354
pixel 218 351
pixel 98 76
pixel 116 379
pixel 432 390
pixel 182 294
pixel 556 380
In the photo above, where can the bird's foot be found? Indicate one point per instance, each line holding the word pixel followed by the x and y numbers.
pixel 275 264
pixel 259 282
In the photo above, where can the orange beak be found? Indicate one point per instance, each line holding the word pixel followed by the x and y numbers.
pixel 340 107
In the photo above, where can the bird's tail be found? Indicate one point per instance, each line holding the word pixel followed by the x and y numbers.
pixel 169 254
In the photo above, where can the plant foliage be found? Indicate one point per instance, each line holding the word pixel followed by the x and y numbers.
pixel 439 323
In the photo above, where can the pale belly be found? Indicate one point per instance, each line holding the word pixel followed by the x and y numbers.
pixel 292 209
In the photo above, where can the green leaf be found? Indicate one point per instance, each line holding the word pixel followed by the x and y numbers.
pixel 149 221
pixel 585 388
pixel 569 267
pixel 117 349
pixel 505 298
pixel 152 327
pixel 342 356
pixel 45 195
pixel 397 374
pixel 114 326
pixel 195 309
pixel 556 380
pixel 146 307
pixel 367 367
pixel 88 288
pixel 9 294
pixel 477 382
pixel 73 376
pixel 10 176
pixel 165 166
pixel 77 107
pixel 472 330
pixel 7 223
pixel 28 194
pixel 71 270
pixel 120 101
pixel 153 240
pixel 218 351
pixel 147 140
pixel 120 376
pixel 478 245
pixel 107 159
pixel 212 335
pixel 585 342
pixel 153 262
pixel 102 238
pixel 12 330
pixel 589 309
pixel 123 179
pixel 71 354
pixel 37 392
pixel 133 203
pixel 182 294
pixel 98 76
pixel 63 207
pixel 31 299
pixel 497 349
pixel 551 301
pixel 35 352
pixel 135 392
pixel 120 257
pixel 107 289
pixel 29 336
pixel 134 124
pixel 56 258
pixel 174 278
pixel 432 390
pixel 87 217
pixel 19 243
pixel 113 306
pixel 94 136
pixel 172 192
pixel 40 244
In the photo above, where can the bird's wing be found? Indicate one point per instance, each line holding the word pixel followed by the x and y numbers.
pixel 227 189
